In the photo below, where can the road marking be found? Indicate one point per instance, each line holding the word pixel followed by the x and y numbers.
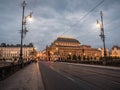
pixel 70 78
pixel 62 74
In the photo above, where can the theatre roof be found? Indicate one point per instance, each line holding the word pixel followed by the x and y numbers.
pixel 67 39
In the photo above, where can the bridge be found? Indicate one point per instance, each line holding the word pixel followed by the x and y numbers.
pixel 46 75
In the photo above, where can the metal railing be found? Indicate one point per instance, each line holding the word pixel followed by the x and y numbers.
pixel 6 71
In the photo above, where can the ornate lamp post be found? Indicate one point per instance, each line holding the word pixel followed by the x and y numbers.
pixel 24 30
pixel 57 53
pixel 102 35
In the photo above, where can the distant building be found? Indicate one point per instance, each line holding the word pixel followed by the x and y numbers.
pixel 41 55
pixel 12 52
pixel 115 51
pixel 102 52
pixel 66 48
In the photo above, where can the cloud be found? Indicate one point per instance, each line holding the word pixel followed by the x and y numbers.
pixel 52 18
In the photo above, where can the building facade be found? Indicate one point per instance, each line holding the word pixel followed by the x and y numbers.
pixel 41 55
pixel 66 48
pixel 12 52
pixel 115 51
pixel 102 52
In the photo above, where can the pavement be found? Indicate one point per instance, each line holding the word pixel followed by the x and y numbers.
pixel 28 78
pixel 4 63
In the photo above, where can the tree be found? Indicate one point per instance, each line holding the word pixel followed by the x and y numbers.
pixel 74 57
pixel 88 58
pixel 84 57
pixel 79 58
pixel 91 58
pixel 69 57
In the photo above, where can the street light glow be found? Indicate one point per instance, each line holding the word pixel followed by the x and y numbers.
pixel 23 31
pixel 30 17
pixel 98 24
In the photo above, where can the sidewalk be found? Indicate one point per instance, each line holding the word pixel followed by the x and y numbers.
pixel 28 78
pixel 4 63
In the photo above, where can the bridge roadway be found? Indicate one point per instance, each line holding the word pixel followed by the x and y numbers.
pixel 63 76
pixel 70 76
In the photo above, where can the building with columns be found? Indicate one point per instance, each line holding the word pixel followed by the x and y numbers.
pixel 67 48
pixel 12 52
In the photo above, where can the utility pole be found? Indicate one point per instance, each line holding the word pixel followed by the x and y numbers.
pixel 102 35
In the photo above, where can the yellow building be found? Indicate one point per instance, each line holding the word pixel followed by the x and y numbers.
pixel 41 55
pixel 102 52
pixel 66 48
pixel 115 51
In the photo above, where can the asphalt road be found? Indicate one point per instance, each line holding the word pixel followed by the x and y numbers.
pixel 68 76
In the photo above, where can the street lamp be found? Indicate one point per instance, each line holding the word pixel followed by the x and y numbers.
pixel 57 53
pixel 83 54
pixel 24 30
pixel 70 57
pixel 102 35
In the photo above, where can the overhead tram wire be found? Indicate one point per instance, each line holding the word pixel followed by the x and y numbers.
pixel 33 6
pixel 110 22
pixel 85 15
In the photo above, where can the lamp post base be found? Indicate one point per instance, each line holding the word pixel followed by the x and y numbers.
pixel 104 62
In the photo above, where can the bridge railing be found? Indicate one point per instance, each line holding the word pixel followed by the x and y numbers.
pixel 6 71
pixel 95 62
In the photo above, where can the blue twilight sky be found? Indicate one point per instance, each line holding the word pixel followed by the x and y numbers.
pixel 53 18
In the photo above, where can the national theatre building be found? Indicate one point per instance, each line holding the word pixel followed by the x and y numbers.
pixel 66 48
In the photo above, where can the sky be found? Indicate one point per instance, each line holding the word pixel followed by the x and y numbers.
pixel 53 18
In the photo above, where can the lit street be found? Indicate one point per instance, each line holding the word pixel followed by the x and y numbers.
pixel 68 76
pixel 59 45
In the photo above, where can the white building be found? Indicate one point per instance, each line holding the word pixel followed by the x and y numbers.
pixel 12 52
